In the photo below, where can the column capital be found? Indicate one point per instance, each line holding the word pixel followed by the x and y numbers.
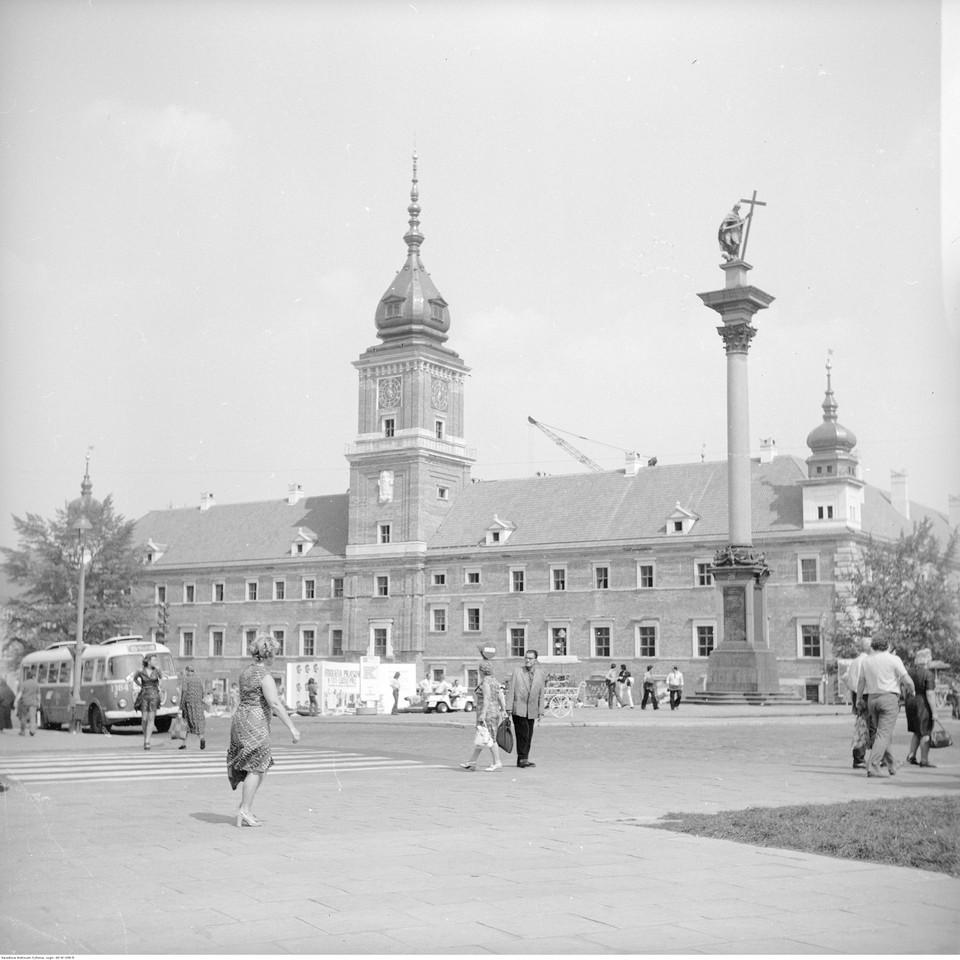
pixel 737 336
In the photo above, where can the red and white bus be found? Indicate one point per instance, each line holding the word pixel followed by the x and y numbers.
pixel 106 682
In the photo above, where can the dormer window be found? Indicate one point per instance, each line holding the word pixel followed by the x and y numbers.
pixel 392 308
pixel 681 521
pixel 499 531
pixel 302 542
pixel 154 552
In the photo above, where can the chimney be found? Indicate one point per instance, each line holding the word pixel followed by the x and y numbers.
pixel 206 501
pixel 633 463
pixel 768 449
pixel 954 508
pixel 898 492
pixel 294 493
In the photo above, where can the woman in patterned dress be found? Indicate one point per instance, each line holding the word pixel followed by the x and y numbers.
pixel 491 710
pixel 249 757
pixel 191 706
pixel 148 678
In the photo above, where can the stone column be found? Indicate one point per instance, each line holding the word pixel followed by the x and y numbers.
pixel 742 662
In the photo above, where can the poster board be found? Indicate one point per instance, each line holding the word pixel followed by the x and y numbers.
pixel 295 688
pixel 339 687
pixel 369 679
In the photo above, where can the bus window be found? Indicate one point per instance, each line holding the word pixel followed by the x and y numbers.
pixel 100 674
pixel 124 665
pixel 66 671
pixel 86 674
pixel 42 673
pixel 166 664
pixel 30 671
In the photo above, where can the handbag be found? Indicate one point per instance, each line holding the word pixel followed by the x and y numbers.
pixel 178 729
pixel 505 735
pixel 138 703
pixel 939 737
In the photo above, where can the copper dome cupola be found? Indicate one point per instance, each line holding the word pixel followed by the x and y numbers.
pixel 412 305
pixel 830 435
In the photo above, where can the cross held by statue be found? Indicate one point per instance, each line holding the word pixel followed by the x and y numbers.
pixel 754 202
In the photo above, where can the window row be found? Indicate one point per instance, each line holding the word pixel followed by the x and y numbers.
pixel 303 642
pixel 253 591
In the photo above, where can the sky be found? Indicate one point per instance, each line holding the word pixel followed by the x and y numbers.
pixel 202 201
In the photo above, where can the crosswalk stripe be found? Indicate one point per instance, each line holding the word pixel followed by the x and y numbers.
pixel 171 766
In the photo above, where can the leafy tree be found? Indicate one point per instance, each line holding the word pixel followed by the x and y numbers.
pixel 906 591
pixel 47 565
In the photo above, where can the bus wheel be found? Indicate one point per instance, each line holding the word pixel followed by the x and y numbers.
pixel 162 724
pixel 96 720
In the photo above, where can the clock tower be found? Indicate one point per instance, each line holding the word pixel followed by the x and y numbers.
pixel 409 460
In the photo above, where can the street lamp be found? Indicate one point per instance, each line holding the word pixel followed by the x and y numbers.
pixel 82 526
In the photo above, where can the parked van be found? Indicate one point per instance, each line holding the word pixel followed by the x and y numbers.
pixel 106 682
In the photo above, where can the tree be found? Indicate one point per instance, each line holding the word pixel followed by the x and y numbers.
pixel 47 565
pixel 906 591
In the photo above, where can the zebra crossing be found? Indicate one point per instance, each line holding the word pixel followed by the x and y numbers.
pixel 167 764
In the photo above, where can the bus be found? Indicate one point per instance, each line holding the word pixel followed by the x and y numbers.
pixel 106 682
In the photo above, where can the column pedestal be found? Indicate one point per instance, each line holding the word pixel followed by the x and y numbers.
pixel 743 662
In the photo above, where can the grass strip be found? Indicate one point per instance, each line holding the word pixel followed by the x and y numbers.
pixel 911 832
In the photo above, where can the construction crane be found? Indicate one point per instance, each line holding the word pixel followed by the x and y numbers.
pixel 573 451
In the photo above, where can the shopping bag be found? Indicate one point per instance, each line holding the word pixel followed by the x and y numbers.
pixel 505 735
pixel 939 737
pixel 178 729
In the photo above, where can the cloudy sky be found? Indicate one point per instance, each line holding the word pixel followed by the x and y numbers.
pixel 202 202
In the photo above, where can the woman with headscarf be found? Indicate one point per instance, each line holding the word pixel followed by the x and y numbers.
pixel 191 706
pixel 249 756
pixel 921 708
pixel 148 678
pixel 491 710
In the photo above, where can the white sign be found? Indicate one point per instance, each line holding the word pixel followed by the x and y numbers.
pixel 369 687
pixel 295 692
pixel 339 687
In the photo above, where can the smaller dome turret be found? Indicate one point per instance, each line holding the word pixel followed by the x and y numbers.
pixel 412 304
pixel 830 435
pixel 84 505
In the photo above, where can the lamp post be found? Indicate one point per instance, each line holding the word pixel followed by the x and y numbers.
pixel 81 526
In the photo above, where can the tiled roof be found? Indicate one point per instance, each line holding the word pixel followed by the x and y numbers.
pixel 246 531
pixel 611 506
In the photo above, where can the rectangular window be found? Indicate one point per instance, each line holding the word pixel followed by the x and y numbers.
pixel 86 673
pixel 705 639
pixel 472 619
pixel 308 643
pixel 646 576
pixel 472 576
pixel 252 589
pixel 248 637
pixel 216 643
pixel 601 641
pixel 389 427
pixel 438 620
pixel 646 640
pixel 279 589
pixel 438 429
pixel 809 569
pixel 186 643
pixel 558 578
pixel 383 534
pixel 439 579
pixel 704 577
pixel 601 578
pixel 824 513
pixel 558 641
pixel 161 593
pixel 810 640
pixel 309 589
pixel 189 592
pixel 443 493
pixel 383 586
pixel 379 641
pixel 517 581
pixel 336 588
pixel 280 637
pixel 336 642
pixel 518 641
pixel 218 593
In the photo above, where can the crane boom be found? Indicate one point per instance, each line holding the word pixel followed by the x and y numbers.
pixel 572 450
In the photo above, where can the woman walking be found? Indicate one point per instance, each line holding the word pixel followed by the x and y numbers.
pixel 491 711
pixel 921 708
pixel 249 756
pixel 191 706
pixel 148 678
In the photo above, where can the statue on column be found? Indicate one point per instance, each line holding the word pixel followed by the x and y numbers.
pixel 730 234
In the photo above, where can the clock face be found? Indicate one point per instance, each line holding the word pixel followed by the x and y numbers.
pixel 439 394
pixel 390 392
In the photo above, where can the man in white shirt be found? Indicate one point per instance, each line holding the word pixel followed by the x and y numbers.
pixel 881 676
pixel 852 679
pixel 675 687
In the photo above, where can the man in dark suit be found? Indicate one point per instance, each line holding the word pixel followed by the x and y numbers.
pixel 525 702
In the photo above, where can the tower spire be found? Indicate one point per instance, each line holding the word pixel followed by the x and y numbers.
pixel 829 401
pixel 413 236
pixel 86 485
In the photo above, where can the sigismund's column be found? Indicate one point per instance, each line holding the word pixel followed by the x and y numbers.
pixel 742 662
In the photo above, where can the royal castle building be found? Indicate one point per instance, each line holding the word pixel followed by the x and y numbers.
pixel 418 563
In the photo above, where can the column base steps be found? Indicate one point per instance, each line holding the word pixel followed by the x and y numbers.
pixel 721 699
